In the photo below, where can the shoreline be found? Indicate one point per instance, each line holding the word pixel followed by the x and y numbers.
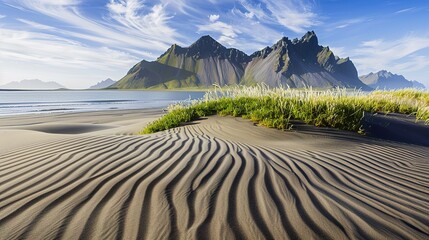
pixel 109 89
pixel 102 111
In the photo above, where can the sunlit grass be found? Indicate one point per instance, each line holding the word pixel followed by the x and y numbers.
pixel 276 107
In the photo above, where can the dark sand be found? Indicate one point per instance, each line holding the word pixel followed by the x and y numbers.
pixel 85 176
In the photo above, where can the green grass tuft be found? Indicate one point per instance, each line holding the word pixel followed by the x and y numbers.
pixel 276 107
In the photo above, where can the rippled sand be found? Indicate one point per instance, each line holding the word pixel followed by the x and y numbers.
pixel 81 176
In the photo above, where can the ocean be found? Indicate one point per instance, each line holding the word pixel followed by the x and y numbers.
pixel 26 102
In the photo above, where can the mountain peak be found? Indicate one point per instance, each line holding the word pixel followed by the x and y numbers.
pixel 384 79
pixel 384 73
pixel 205 41
pixel 205 46
pixel 284 41
pixel 308 40
pixel 206 38
pixel 103 84
pixel 35 84
pixel 310 37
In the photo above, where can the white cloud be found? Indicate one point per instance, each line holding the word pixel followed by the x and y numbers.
pixel 36 25
pixel 153 25
pixel 213 17
pixel 75 45
pixel 405 10
pixel 256 35
pixel 31 46
pixel 183 6
pixel 296 19
pixel 132 23
pixel 397 56
pixel 413 63
pixel 296 15
pixel 373 43
pixel 228 32
pixel 62 55
pixel 249 15
pixel 339 51
pixel 2 16
pixel 227 40
pixel 240 29
pixel 255 10
pixel 60 2
pixel 349 22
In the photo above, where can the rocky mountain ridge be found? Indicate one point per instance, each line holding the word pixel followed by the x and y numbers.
pixel 32 84
pixel 294 63
pixel 386 80
pixel 103 84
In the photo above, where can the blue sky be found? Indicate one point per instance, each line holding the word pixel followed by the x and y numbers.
pixel 80 42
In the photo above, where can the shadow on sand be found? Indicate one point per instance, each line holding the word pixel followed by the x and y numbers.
pixel 396 127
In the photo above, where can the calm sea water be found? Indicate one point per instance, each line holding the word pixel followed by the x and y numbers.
pixel 23 102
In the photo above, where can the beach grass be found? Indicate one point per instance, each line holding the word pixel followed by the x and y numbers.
pixel 275 107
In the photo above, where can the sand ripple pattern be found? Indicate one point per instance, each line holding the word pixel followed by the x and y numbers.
pixel 185 184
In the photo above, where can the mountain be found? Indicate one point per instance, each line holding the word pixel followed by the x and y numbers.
pixel 387 80
pixel 296 63
pixel 299 63
pixel 154 74
pixel 32 84
pixel 103 84
pixel 204 63
pixel 418 85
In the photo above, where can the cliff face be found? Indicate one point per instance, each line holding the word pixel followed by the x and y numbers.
pixel 296 63
pixel 387 80
pixel 300 63
pixel 211 62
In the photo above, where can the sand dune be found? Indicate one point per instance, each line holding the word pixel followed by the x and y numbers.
pixel 221 178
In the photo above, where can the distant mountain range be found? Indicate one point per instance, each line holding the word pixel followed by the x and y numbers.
pixel 387 80
pixel 103 84
pixel 295 63
pixel 32 84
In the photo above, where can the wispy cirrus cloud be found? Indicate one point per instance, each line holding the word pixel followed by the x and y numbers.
pixel 405 10
pixel 36 25
pixel 339 51
pixel 296 15
pixel 253 22
pixel 140 26
pixel 55 58
pixel 351 22
pixel 150 23
pixel 234 29
pixel 227 32
pixel 144 26
pixel 182 6
pixel 110 43
pixel 31 47
pixel 398 55
pixel 413 63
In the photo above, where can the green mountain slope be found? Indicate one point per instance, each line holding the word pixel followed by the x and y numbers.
pixel 156 75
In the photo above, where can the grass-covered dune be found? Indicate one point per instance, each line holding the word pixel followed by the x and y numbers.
pixel 276 107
